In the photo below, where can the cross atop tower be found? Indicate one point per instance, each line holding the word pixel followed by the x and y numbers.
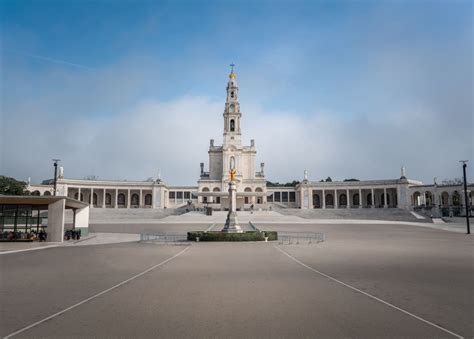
pixel 232 74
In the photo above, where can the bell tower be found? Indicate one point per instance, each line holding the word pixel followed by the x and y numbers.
pixel 232 115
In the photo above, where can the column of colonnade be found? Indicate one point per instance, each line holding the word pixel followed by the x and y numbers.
pixel 377 195
pixel 101 196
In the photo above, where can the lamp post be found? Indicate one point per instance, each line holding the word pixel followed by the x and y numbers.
pixel 55 173
pixel 466 201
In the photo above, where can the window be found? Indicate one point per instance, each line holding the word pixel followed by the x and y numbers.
pixel 292 196
pixel 232 125
pixel 232 94
pixel 172 194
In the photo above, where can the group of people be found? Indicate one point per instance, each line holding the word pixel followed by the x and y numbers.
pixel 72 234
pixel 19 235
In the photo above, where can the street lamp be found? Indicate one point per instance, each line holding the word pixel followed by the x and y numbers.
pixel 55 173
pixel 466 201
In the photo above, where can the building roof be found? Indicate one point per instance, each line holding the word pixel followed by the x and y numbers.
pixel 40 201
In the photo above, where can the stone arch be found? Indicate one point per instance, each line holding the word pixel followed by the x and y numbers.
pixel 76 196
pixel 316 200
pixel 94 199
pixel 135 200
pixel 329 199
pixel 382 199
pixel 369 199
pixel 456 197
pixel 47 193
pixel 217 200
pixel 232 125
pixel 148 199
pixel 429 198
pixel 445 199
pixel 247 199
pixel 204 199
pixel 356 199
pixel 416 199
pixel 108 199
pixel 343 200
pixel 121 199
pixel 36 193
pixel 259 199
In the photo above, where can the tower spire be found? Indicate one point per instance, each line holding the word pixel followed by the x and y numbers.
pixel 232 133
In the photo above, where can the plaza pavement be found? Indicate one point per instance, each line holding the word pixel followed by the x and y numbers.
pixel 249 289
pixel 193 221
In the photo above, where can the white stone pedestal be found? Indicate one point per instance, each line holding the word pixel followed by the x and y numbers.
pixel 232 222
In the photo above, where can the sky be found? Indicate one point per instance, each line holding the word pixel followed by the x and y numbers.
pixel 129 90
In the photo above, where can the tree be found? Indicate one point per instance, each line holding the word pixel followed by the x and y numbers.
pixel 277 184
pixel 11 186
pixel 455 181
pixel 328 179
pixel 352 179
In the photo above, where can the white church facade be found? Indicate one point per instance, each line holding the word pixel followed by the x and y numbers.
pixel 252 190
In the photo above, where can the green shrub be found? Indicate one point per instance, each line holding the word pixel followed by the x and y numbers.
pixel 222 236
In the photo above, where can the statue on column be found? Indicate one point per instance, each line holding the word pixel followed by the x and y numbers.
pixel 305 175
pixel 233 174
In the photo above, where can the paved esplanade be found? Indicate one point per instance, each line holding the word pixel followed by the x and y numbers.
pixel 261 292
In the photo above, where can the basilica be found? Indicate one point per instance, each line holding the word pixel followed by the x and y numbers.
pixel 252 189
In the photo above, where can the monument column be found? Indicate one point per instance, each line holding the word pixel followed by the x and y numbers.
pixel 324 199
pixel 232 223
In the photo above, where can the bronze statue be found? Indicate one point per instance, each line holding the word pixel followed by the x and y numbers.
pixel 233 174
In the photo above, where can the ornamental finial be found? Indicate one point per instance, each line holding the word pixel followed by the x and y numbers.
pixel 232 74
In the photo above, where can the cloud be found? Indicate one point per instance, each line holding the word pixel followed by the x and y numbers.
pixel 355 97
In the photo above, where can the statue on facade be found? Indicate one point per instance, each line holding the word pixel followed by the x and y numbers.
pixel 61 172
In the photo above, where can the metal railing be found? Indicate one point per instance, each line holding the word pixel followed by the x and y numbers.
pixel 164 238
pixel 297 238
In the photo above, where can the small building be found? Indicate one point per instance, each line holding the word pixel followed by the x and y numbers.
pixel 23 214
